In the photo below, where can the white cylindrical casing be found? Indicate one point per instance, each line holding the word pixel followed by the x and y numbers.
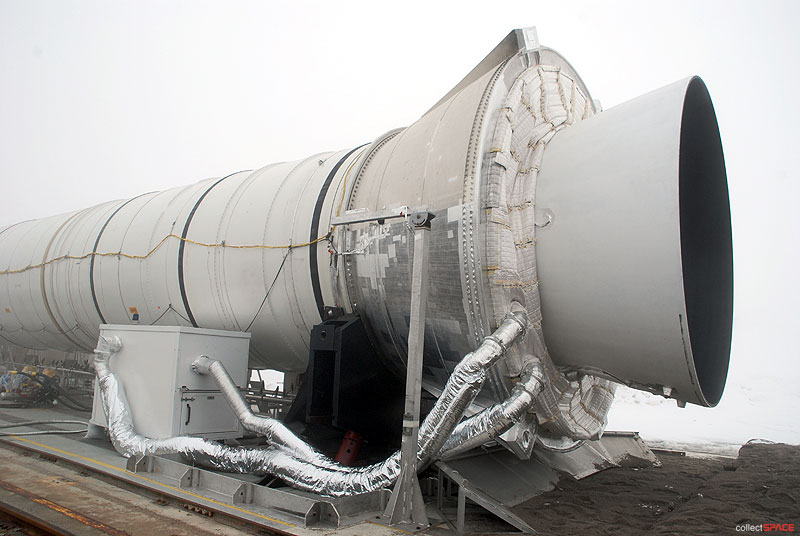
pixel 637 249
pixel 473 160
pixel 164 276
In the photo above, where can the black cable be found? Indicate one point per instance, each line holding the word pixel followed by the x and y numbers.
pixel 65 396
pixel 43 432
pixel 154 322
pixel 51 385
pixel 181 316
pixel 269 289
pixel 46 384
pixel 69 405
pixel 168 309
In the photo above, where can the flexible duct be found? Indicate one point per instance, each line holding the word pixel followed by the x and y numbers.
pixel 273 430
pixel 496 420
pixel 573 405
pixel 301 467
pixel 464 384
pixel 460 391
pixel 276 461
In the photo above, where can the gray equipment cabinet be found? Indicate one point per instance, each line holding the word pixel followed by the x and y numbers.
pixel 166 397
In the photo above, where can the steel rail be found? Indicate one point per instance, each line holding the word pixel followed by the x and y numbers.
pixel 28 521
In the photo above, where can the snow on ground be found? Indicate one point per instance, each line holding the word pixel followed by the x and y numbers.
pixel 748 410
pixel 762 393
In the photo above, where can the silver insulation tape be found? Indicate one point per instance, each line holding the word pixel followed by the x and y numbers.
pixel 542 101
pixel 575 408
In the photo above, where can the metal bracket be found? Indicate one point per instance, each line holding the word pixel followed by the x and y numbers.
pixel 527 38
pixel 364 215
pixel 466 490
pixel 422 219
pixel 521 438
pixel 528 43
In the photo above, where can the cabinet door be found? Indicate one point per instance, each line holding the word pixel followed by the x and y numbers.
pixel 207 414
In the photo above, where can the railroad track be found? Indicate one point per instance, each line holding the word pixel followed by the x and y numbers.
pixel 44 496
pixel 35 524
pixel 13 521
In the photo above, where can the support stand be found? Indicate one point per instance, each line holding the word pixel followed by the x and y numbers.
pixel 406 504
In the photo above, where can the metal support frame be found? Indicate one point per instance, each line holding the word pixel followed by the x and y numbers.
pixel 467 490
pixel 380 216
pixel 406 504
pixel 249 500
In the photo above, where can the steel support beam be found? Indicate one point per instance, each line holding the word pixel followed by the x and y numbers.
pixel 406 504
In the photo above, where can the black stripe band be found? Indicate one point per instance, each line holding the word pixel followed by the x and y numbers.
pixel 94 250
pixel 182 246
pixel 312 255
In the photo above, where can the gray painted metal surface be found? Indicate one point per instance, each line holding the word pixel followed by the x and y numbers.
pixel 511 481
pixel 466 490
pixel 165 397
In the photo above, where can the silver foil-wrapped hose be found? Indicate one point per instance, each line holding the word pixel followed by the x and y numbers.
pixel 463 386
pixel 331 481
pixel 275 432
pixel 325 479
pixel 459 392
pixel 572 404
pixel 496 420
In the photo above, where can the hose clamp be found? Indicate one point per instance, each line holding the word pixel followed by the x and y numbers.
pixel 498 342
pixel 202 365
pixel 519 319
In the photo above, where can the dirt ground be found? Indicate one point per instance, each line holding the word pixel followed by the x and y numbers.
pixel 686 495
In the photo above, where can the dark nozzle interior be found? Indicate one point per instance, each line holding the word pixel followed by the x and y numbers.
pixel 706 241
